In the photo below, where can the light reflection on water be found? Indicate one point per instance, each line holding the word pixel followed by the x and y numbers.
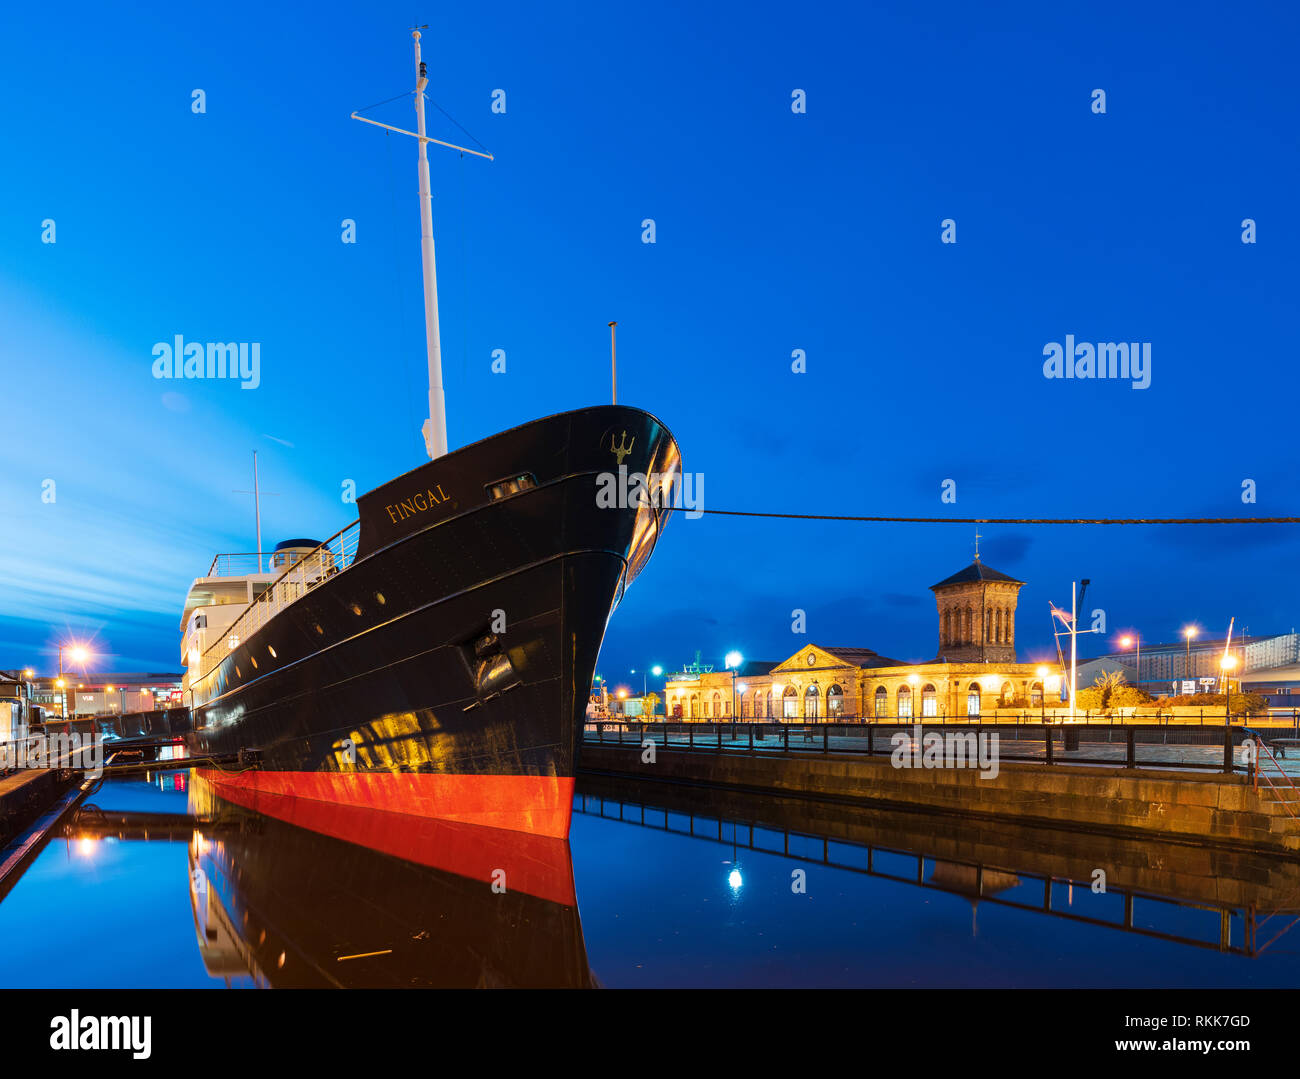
pixel 773 894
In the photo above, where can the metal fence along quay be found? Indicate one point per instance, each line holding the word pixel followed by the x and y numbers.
pixel 1204 748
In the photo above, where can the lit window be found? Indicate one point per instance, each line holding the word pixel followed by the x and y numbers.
pixel 512 486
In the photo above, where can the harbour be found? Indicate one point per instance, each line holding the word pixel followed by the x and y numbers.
pixel 605 502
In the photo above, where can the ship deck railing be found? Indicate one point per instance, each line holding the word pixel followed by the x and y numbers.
pixel 241 564
pixel 321 563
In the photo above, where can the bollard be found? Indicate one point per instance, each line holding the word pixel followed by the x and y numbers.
pixel 1047 743
pixel 1227 749
pixel 1130 748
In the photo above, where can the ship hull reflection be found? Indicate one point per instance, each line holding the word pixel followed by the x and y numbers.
pixel 291 907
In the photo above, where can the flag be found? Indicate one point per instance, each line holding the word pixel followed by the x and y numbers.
pixel 1064 616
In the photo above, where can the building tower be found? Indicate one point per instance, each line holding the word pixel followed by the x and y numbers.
pixel 977 615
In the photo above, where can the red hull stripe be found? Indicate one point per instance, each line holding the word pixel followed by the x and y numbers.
pixel 381 815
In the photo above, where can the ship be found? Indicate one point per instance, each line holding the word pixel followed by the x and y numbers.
pixel 434 657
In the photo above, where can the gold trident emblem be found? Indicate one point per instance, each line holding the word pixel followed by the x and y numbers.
pixel 622 449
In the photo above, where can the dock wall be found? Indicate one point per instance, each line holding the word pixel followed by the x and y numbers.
pixel 1194 806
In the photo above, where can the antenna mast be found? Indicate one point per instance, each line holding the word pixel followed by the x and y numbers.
pixel 257 504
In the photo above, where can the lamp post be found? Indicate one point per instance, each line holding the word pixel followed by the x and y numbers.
pixel 733 660
pixel 657 670
pixel 913 680
pixel 1188 632
pixel 1042 693
pixel 1228 663
pixel 1136 642
pixel 78 654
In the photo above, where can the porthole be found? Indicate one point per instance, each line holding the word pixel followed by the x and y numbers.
pixel 356 609
pixel 272 651
pixel 253 661
pixel 379 598
pixel 238 673
pixel 317 628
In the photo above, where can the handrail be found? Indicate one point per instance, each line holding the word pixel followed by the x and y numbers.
pixel 876 740
pixel 284 590
pixel 1276 789
pixel 217 558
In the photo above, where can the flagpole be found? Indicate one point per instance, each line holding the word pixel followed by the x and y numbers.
pixel 1074 644
pixel 257 509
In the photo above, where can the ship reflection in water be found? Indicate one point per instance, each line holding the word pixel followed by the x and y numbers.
pixel 678 886
pixel 295 908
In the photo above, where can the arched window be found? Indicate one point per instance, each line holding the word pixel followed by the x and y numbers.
pixel 905 702
pixel 929 703
pixel 1008 694
pixel 1036 694
pixel 970 627
pixel 973 699
pixel 947 626
pixel 695 706
pixel 882 702
pixel 834 702
pixel 790 703
pixel 767 705
pixel 717 705
pixel 812 696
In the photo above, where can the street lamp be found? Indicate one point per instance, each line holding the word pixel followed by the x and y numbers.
pixel 1042 673
pixel 1228 663
pixel 78 654
pixel 733 660
pixel 657 670
pixel 914 680
pixel 1136 642
pixel 1189 632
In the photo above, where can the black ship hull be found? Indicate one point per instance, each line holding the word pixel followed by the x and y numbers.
pixel 446 670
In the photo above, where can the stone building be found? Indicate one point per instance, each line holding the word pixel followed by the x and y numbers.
pixel 975 672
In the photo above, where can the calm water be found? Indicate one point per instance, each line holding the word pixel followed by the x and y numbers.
pixel 242 900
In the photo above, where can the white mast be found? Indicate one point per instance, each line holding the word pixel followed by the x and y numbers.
pixel 435 427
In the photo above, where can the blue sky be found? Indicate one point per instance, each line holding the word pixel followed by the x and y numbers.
pixel 775 232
